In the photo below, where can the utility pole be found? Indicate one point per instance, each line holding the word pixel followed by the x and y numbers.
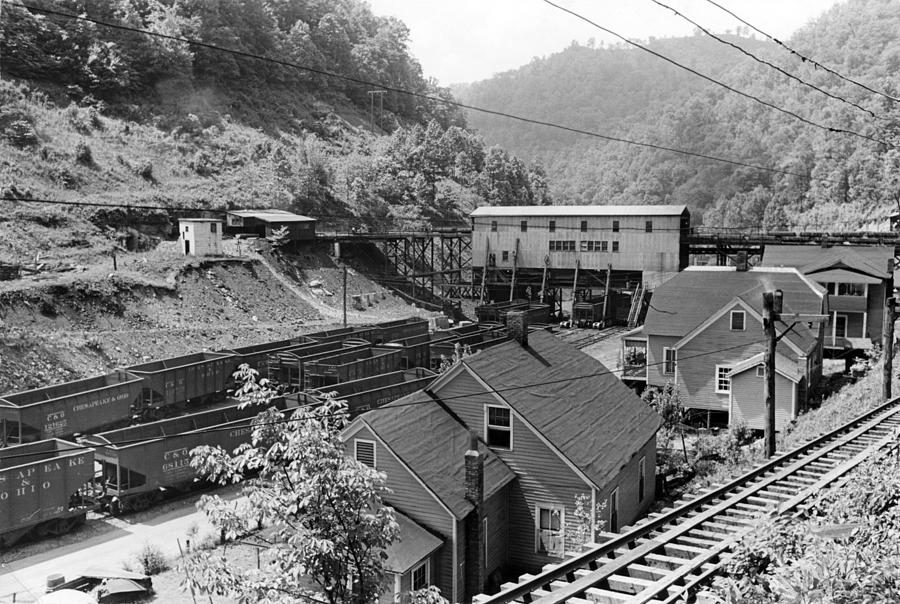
pixel 345 296
pixel 887 344
pixel 372 94
pixel 772 305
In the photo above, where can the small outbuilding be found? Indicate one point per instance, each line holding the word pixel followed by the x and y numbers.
pixel 263 222
pixel 200 236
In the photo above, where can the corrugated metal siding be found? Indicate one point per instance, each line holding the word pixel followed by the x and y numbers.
pixel 413 500
pixel 749 405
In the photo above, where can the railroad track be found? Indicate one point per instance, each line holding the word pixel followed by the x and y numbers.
pixel 666 557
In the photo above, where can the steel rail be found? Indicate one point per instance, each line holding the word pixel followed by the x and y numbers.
pixel 576 568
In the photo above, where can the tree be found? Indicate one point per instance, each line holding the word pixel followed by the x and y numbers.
pixel 280 237
pixel 667 402
pixel 329 522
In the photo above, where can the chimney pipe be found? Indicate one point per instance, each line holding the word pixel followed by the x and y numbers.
pixel 517 326
pixel 474 547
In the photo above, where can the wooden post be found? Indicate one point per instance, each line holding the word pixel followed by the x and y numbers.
pixel 575 285
pixel 606 291
pixel 887 345
pixel 487 257
pixel 512 284
pixel 769 317
pixel 345 296
pixel 544 278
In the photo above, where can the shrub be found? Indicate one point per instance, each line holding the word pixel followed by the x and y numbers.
pixel 21 133
pixel 151 559
pixel 83 154
pixel 144 169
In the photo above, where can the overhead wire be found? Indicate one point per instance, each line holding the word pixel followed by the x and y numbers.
pixel 221 428
pixel 805 58
pixel 414 94
pixel 719 83
pixel 767 63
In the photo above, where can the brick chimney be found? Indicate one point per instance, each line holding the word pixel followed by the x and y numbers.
pixel 741 261
pixel 517 326
pixel 475 562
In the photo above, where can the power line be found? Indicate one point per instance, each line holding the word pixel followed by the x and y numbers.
pixel 804 58
pixel 717 82
pixel 767 63
pixel 220 428
pixel 423 95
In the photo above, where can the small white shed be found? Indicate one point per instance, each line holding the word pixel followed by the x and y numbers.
pixel 200 236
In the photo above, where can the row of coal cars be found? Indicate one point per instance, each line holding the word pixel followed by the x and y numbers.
pixel 98 442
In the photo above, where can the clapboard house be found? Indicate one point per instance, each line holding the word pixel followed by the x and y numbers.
pixel 704 333
pixel 858 279
pixel 554 425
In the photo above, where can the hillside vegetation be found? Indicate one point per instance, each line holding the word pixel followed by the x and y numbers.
pixel 836 181
pixel 94 114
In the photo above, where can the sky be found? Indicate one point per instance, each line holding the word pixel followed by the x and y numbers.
pixel 459 41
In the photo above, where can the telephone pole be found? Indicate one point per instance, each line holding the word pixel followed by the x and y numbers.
pixel 887 345
pixel 772 304
pixel 372 94
pixel 344 289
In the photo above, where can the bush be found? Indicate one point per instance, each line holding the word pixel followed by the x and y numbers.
pixel 151 559
pixel 144 169
pixel 83 154
pixel 21 133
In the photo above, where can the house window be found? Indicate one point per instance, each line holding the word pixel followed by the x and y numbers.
pixel 615 246
pixel 604 246
pixel 505 255
pixel 614 510
pixel 187 228
pixel 642 473
pixel 670 357
pixel 420 576
pixel 523 225
pixel 572 246
pixel 498 427
pixel 723 379
pixel 212 227
pixel 550 533
pixel 760 371
pixel 737 320
pixel 552 227
pixel 648 226
pixel 365 452
pixel 552 246
pixel 494 226
pixel 584 226
pixel 615 226
pixel 851 289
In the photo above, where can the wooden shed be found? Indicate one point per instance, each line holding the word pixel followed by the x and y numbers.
pixel 200 236
pixel 262 223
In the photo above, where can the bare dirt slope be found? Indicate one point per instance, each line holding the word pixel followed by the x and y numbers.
pixel 59 326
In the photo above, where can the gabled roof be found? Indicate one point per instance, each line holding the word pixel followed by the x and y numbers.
pixel 584 411
pixel 783 365
pixel 613 211
pixel 414 544
pixel 688 299
pixel 271 215
pixel 432 444
pixel 866 260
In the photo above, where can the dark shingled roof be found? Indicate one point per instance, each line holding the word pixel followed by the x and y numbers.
pixel 685 301
pixel 412 546
pixel 587 413
pixel 433 444
pixel 868 260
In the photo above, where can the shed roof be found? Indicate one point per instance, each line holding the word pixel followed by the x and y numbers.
pixel 414 544
pixel 687 300
pixel 199 220
pixel 630 210
pixel 867 260
pixel 432 443
pixel 783 365
pixel 571 399
pixel 272 215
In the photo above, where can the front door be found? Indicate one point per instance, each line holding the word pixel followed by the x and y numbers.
pixel 187 247
pixel 840 326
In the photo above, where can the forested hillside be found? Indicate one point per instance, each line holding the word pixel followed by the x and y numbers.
pixel 94 113
pixel 835 180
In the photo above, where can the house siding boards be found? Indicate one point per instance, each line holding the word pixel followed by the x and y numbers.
pixel 200 237
pixel 748 407
pixel 496 510
pixel 412 499
pixel 655 360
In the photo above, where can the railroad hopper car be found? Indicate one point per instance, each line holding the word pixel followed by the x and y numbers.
pixel 140 464
pixel 202 375
pixel 43 487
pixel 588 311
pixel 65 409
pixel 496 311
pixel 390 331
pixel 371 392
pixel 415 350
pixel 478 340
pixel 257 356
pixel 351 365
pixel 288 367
